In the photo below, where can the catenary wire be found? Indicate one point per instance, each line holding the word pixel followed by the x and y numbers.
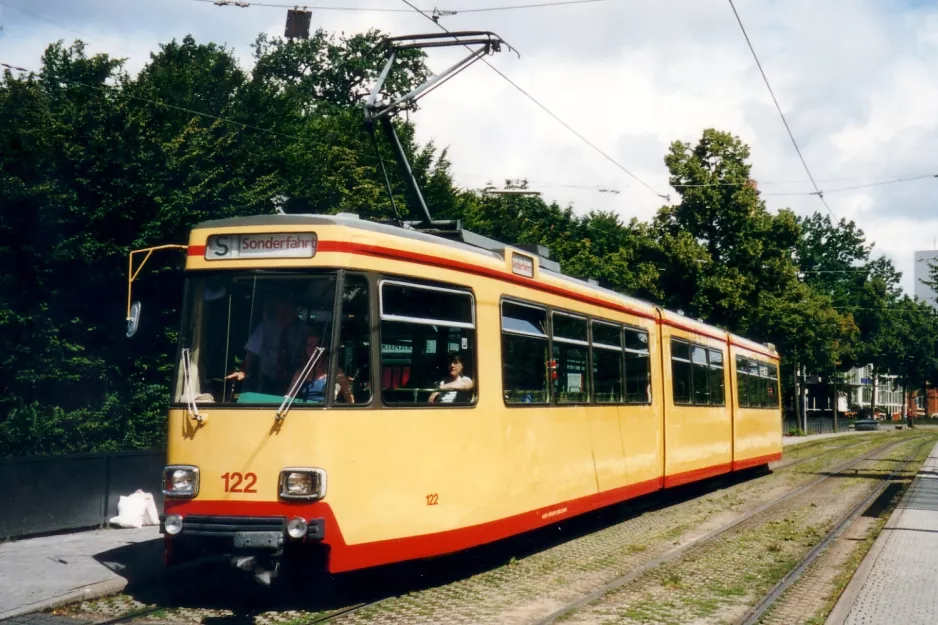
pixel 551 113
pixel 791 135
pixel 545 4
pixel 443 12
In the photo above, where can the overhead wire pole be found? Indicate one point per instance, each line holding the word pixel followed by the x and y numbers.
pixel 817 190
pixel 665 197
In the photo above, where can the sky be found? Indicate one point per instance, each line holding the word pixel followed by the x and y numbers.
pixel 856 80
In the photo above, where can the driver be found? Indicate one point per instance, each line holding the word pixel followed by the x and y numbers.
pixel 277 344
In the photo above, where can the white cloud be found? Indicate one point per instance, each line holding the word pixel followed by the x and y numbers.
pixel 854 77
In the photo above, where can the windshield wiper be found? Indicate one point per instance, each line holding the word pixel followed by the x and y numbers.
pixel 191 406
pixel 289 397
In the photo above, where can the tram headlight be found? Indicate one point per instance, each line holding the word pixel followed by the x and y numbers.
pixel 302 483
pixel 173 524
pixel 297 527
pixel 180 481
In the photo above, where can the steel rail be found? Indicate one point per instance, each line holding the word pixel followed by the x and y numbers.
pixel 757 611
pixel 723 529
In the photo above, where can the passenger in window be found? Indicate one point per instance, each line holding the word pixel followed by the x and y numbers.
pixel 313 387
pixel 455 384
pixel 277 344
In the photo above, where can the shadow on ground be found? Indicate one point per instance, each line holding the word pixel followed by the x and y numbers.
pixel 215 585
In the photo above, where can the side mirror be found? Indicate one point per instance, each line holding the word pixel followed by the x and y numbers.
pixel 134 319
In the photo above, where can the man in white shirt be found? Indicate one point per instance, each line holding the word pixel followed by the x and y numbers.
pixel 278 344
pixel 454 382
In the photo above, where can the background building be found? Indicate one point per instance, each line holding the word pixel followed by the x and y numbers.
pixel 922 262
pixel 856 394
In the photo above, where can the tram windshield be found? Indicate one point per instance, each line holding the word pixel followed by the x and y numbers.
pixel 247 337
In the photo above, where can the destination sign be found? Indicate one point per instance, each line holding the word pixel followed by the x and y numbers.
pixel 522 265
pixel 270 245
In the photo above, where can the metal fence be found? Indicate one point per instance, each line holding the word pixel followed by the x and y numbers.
pixel 52 493
pixel 817 424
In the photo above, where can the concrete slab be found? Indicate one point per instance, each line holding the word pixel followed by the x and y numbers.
pixel 895 583
pixel 46 572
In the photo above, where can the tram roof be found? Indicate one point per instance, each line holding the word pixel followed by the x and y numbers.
pixel 483 246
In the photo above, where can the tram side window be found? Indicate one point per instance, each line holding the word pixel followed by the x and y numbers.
pixel 701 375
pixel 524 354
pixel 637 367
pixel 756 372
pixel 608 372
pixel 571 345
pixel 757 383
pixel 772 387
pixel 681 371
pixel 427 340
pixel 354 353
pixel 742 381
pixel 716 378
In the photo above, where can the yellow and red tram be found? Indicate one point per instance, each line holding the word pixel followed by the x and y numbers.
pixel 377 394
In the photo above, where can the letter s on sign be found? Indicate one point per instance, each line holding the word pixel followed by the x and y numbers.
pixel 221 246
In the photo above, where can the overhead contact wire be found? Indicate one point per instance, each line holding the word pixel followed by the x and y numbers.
pixel 817 190
pixel 549 112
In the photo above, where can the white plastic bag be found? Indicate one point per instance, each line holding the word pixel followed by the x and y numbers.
pixel 136 510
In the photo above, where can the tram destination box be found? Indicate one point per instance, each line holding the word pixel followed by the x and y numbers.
pixel 267 245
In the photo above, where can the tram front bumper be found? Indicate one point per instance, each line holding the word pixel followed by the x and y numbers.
pixel 238 534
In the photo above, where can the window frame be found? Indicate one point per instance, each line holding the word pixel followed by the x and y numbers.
pixel 690 363
pixel 707 349
pixel 620 329
pixel 255 273
pixel 426 320
pixel 377 301
pixel 567 341
pixel 373 334
pixel 544 337
pixel 549 337
pixel 722 369
pixel 625 351
pixel 744 367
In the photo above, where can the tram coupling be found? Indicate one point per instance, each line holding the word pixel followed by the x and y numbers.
pixel 264 568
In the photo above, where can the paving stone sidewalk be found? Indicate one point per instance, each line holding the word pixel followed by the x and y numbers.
pixel 43 573
pixel 897 581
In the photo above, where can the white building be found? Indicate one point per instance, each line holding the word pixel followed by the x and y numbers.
pixel 888 396
pixel 922 263
pixel 857 393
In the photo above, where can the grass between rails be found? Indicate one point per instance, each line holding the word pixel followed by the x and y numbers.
pixel 851 562
pixel 719 580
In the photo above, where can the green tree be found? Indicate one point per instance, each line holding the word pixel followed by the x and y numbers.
pixel 94 163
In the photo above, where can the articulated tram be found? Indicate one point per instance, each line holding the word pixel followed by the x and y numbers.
pixel 360 394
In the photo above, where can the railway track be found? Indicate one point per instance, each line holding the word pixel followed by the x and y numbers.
pixel 675 553
pixel 787 464
pixel 755 614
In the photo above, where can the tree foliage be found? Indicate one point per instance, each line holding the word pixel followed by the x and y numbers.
pixel 95 162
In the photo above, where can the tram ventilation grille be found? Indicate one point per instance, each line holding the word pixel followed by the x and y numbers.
pixel 214 525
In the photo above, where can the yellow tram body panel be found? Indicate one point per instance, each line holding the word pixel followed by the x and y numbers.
pixel 758 432
pixel 698 439
pixel 408 482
